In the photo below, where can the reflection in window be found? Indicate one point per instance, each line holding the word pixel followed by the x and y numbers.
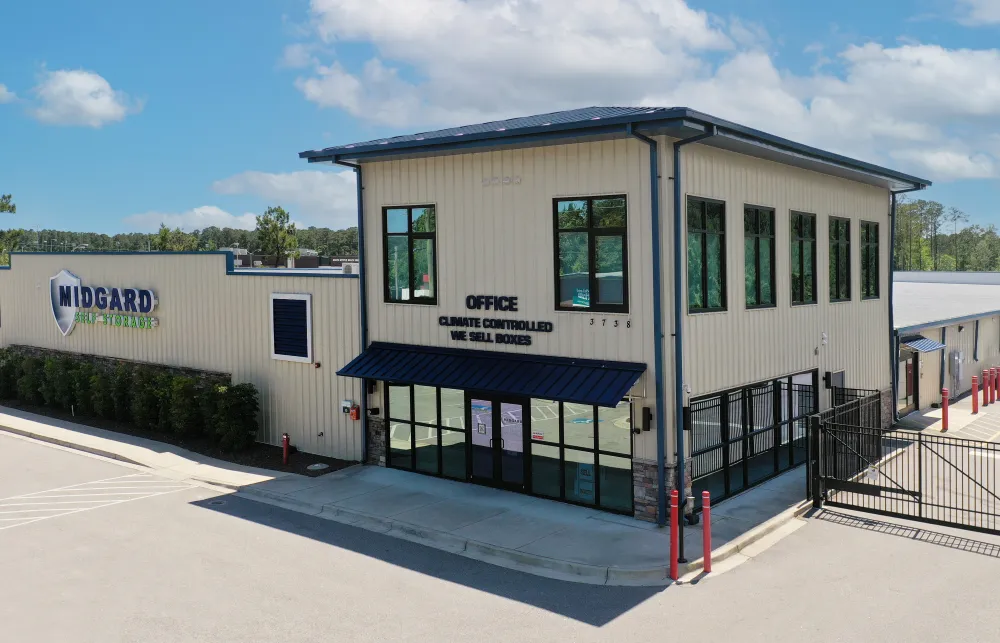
pixel 758 241
pixel 410 262
pixel 840 259
pixel 616 483
pixel 592 254
pixel 580 477
pixel 578 425
pixel 425 404
pixel 545 467
pixel 615 428
pixel 706 234
pixel 803 250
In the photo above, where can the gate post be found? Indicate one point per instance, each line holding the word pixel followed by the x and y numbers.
pixel 815 459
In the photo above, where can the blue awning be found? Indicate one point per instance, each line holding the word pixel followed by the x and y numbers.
pixel 562 379
pixel 920 344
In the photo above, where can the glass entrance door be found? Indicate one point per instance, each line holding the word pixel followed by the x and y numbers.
pixel 497 442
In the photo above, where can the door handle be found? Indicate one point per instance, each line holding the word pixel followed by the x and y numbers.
pixel 491 441
pixel 501 443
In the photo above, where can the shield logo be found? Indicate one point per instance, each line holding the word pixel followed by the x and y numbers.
pixel 64 308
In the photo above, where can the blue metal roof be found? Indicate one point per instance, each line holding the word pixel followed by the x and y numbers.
pixel 921 344
pixel 611 122
pixel 562 379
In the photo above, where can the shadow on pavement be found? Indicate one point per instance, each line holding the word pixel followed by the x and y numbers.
pixel 592 604
pixel 911 533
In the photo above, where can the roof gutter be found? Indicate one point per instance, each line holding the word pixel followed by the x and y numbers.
pixel 893 333
pixel 363 304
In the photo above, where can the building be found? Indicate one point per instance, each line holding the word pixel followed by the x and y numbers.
pixel 947 330
pixel 547 302
pixel 285 331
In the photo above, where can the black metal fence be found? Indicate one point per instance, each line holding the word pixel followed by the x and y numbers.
pixel 742 437
pixel 930 478
pixel 841 395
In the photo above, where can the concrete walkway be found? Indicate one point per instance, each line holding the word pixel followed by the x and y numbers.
pixel 962 423
pixel 512 530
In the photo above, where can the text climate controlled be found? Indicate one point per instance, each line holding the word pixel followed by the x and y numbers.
pixel 500 304
pixel 73 303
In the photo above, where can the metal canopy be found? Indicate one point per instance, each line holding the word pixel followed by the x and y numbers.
pixel 560 379
pixel 920 344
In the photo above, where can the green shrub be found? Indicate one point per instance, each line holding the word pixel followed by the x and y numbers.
pixel 100 395
pixel 145 409
pixel 235 421
pixel 10 370
pixel 184 412
pixel 50 373
pixel 162 384
pixel 121 385
pixel 82 388
pixel 64 385
pixel 29 382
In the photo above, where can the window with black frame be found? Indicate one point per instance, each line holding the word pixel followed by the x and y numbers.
pixel 840 259
pixel 706 255
pixel 410 262
pixel 591 253
pixel 582 453
pixel 803 258
pixel 425 430
pixel 758 255
pixel 869 260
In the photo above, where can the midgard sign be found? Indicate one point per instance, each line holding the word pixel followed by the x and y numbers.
pixel 73 303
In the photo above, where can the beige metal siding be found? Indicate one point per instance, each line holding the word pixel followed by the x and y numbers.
pixel 497 238
pixel 929 366
pixel 963 342
pixel 213 321
pixel 727 349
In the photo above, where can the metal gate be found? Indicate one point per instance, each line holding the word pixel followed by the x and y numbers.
pixel 745 436
pixel 930 478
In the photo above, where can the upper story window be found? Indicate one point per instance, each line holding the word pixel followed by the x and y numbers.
pixel 840 259
pixel 869 260
pixel 291 327
pixel 803 258
pixel 706 254
pixel 758 256
pixel 410 264
pixel 591 254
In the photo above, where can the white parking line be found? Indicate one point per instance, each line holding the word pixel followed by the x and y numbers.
pixel 28 521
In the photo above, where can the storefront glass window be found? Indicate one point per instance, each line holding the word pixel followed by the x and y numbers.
pixel 580 477
pixel 616 483
pixel 426 451
pixel 615 428
pixel 545 470
pixel 425 404
pixel 401 444
pixel 453 454
pixel 578 425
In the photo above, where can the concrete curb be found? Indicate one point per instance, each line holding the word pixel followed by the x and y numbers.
pixel 653 576
pixel 71 445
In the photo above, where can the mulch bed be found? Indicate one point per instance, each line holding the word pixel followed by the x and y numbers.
pixel 264 456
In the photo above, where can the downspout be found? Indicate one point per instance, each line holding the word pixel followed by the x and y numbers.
pixel 363 304
pixel 893 336
pixel 661 439
pixel 658 334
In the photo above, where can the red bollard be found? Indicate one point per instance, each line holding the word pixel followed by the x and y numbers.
pixel 975 394
pixel 986 389
pixel 993 384
pixel 674 540
pixel 284 449
pixel 706 530
pixel 944 410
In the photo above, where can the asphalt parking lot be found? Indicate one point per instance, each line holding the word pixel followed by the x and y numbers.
pixel 170 561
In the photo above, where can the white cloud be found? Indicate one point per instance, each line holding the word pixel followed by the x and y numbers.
pixel 195 219
pixel 298 55
pixel 6 96
pixel 918 107
pixel 979 12
pixel 325 198
pixel 78 97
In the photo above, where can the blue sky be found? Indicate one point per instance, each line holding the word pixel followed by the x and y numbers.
pixel 117 115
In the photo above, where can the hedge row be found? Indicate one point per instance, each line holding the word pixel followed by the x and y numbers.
pixel 149 397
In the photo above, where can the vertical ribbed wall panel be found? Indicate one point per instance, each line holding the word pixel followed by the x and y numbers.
pixel 213 321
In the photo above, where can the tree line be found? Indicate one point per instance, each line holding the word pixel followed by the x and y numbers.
pixel 930 236
pixel 274 236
